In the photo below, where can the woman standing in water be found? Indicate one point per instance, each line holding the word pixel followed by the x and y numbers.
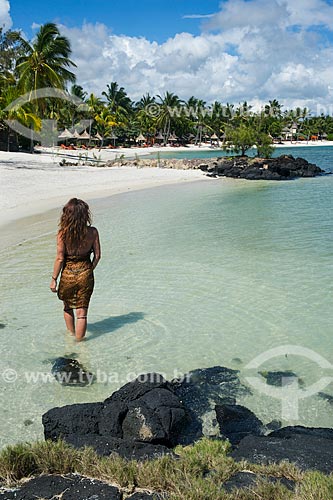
pixel 76 241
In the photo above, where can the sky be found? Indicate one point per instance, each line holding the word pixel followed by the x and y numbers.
pixel 230 50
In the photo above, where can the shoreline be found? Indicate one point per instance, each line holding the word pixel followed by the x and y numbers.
pixel 34 184
pixel 33 187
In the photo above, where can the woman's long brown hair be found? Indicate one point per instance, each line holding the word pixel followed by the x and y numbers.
pixel 74 222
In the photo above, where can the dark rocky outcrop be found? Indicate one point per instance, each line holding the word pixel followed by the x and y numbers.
pixel 236 422
pixel 142 419
pixel 200 391
pixel 68 487
pixel 69 371
pixel 149 416
pixel 284 167
pixel 291 431
pixel 125 448
pixel 80 419
pixel 249 480
pixel 306 450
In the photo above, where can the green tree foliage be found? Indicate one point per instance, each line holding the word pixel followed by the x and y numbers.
pixel 241 139
pixel 46 61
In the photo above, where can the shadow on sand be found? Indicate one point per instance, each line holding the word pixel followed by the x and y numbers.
pixel 108 325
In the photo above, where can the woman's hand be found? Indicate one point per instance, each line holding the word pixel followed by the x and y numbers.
pixel 53 285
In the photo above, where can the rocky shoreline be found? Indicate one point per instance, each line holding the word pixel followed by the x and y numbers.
pixel 285 167
pixel 149 416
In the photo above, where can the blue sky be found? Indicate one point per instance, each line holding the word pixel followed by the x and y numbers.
pixel 230 50
pixel 153 19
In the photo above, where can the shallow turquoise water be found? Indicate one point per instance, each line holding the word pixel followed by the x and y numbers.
pixel 192 275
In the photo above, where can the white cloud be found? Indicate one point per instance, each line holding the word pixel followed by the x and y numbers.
pixel 309 12
pixel 5 19
pixel 253 54
pixel 240 13
pixel 197 16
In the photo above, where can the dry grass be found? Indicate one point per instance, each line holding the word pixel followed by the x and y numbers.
pixel 198 473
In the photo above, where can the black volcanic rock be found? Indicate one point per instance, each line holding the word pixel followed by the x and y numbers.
pixel 143 418
pixel 284 167
pixel 147 417
pixel 246 480
pixel 69 371
pixel 68 487
pixel 125 448
pixel 291 431
pixel 80 419
pixel 201 390
pixel 308 452
pixel 236 422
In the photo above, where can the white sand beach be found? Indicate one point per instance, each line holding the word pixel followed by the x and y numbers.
pixel 35 183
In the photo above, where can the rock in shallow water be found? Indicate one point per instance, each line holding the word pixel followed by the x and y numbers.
pixel 236 422
pixel 200 390
pixel 285 167
pixel 70 372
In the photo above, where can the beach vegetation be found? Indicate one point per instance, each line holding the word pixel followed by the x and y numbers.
pixel 240 139
pixel 169 113
pixel 198 472
pixel 45 61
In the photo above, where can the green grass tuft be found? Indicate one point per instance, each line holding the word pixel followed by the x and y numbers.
pixel 198 473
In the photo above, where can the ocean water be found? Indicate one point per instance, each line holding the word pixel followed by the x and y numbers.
pixel 311 153
pixel 192 275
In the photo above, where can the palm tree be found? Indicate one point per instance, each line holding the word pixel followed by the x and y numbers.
pixel 95 105
pixel 105 122
pixel 77 91
pixel 22 115
pixel 170 110
pixel 46 61
pixel 118 100
pixel 146 122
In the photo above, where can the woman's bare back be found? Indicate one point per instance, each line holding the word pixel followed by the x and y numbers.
pixel 87 245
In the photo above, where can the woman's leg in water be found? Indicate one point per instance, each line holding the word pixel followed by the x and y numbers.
pixel 69 319
pixel 81 323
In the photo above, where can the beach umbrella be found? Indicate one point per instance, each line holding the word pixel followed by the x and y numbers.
pixel 159 137
pixel 98 137
pixel 85 135
pixel 66 134
pixel 214 137
pixel 76 135
pixel 140 138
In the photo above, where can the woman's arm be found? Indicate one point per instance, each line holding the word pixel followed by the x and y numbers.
pixel 58 263
pixel 96 250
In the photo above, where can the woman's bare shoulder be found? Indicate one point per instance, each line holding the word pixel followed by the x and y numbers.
pixel 93 231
